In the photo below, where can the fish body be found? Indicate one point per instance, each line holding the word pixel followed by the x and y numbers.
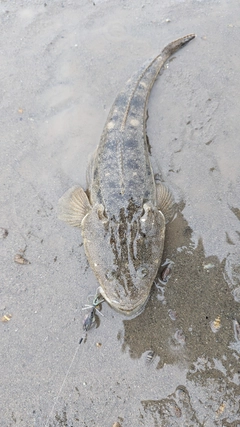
pixel 123 213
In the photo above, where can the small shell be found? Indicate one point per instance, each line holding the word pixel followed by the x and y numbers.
pixel 166 272
pixel 98 344
pixel 149 356
pixel 221 409
pixel 19 259
pixel 172 314
pixel 216 324
pixel 6 318
pixel 116 425
pixel 208 266
pixel 180 337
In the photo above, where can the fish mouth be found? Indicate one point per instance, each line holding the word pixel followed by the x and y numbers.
pixel 134 312
pixel 126 310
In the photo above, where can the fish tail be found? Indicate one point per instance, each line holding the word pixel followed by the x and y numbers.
pixel 176 44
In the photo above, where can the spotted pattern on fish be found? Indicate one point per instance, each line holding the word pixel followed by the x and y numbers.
pixel 123 213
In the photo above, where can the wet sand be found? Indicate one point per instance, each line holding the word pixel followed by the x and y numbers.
pixel 177 364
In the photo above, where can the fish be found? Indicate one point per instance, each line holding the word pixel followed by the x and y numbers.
pixel 124 211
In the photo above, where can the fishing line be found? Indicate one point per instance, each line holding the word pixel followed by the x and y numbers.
pixel 88 323
pixel 65 378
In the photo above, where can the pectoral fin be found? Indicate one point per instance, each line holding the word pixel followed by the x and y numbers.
pixel 165 202
pixel 73 206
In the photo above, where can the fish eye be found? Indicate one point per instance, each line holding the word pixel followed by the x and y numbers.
pixel 110 274
pixel 142 272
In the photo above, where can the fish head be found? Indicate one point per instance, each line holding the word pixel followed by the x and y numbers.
pixel 125 254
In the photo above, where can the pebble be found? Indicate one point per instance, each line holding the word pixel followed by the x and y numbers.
pixel 3 233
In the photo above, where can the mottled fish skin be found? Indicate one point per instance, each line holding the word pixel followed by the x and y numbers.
pixel 123 215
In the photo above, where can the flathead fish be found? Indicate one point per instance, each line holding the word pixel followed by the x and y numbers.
pixel 123 213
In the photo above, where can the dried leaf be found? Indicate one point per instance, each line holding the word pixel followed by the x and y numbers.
pixel 89 320
pixel 19 259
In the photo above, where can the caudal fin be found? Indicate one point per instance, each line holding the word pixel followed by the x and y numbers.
pixel 177 44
